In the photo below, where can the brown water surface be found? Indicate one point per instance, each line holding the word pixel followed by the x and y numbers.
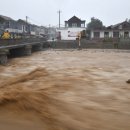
pixel 66 90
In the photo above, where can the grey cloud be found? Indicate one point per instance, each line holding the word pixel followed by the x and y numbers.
pixel 45 11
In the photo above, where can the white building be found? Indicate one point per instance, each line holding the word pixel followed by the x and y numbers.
pixel 121 30
pixel 72 27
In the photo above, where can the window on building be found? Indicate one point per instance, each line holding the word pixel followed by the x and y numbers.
pixel 106 34
pixel 96 34
pixel 82 25
pixel 67 25
pixel 126 34
pixel 116 34
pixel 74 24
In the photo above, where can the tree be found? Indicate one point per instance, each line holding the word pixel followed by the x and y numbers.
pixel 95 24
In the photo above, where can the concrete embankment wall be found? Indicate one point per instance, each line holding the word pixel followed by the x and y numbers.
pixel 40 44
pixel 90 44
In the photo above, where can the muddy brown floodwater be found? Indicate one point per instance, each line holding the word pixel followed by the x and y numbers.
pixel 66 90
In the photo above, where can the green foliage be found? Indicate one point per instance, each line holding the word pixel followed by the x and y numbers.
pixel 95 24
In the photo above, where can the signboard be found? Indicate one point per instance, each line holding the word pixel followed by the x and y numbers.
pixel 72 34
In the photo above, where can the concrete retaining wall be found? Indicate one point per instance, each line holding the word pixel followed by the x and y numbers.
pixel 89 44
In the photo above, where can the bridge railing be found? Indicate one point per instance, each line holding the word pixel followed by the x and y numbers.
pixel 7 42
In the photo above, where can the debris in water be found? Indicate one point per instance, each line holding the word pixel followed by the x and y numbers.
pixel 128 81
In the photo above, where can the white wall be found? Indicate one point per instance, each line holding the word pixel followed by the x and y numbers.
pixel 33 33
pixel 11 30
pixel 69 33
pixel 111 34
pixel 92 34
pixel 101 34
pixel 121 33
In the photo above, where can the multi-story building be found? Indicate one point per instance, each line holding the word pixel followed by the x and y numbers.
pixel 121 30
pixel 72 27
pixel 21 27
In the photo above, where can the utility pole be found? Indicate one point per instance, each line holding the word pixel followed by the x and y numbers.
pixel 26 28
pixel 26 19
pixel 59 12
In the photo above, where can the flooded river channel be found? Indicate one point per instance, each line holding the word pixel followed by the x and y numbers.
pixel 66 90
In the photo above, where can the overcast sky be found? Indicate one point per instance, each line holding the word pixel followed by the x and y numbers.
pixel 44 12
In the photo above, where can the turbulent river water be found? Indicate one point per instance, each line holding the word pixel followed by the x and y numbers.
pixel 66 90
